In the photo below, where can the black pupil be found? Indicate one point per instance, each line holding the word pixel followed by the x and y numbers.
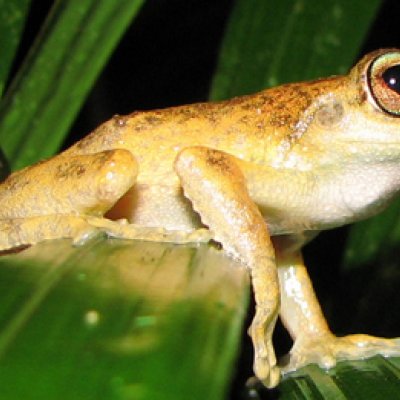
pixel 392 78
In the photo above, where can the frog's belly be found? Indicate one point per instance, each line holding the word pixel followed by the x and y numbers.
pixel 164 206
pixel 156 206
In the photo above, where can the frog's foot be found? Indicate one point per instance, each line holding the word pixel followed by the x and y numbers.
pixel 18 232
pixel 124 230
pixel 326 350
pixel 266 370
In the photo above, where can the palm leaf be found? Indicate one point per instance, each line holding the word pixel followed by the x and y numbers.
pixel 72 48
pixel 116 319
pixel 12 18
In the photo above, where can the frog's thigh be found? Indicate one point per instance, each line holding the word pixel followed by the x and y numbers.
pixel 217 189
pixel 68 185
pixel 302 316
pixel 50 200
pixel 28 231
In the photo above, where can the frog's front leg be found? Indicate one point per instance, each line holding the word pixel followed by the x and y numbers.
pixel 217 189
pixel 302 316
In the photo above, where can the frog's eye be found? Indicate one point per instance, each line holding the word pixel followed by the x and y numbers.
pixel 384 82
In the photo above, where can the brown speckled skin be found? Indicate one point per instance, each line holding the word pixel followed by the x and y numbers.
pixel 262 173
pixel 249 127
pixel 292 133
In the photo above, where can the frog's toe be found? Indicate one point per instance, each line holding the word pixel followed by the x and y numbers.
pixel 327 350
pixel 367 346
pixel 268 374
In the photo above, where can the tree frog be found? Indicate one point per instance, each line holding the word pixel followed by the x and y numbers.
pixel 260 174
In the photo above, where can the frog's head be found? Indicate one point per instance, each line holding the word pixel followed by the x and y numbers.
pixel 351 132
pixel 358 118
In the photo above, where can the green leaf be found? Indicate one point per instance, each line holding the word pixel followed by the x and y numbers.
pixel 272 42
pixel 72 48
pixel 119 320
pixel 12 18
pixel 376 378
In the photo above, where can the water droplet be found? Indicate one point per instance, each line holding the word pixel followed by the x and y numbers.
pixel 92 317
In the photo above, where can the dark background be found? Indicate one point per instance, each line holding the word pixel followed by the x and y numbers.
pixel 167 58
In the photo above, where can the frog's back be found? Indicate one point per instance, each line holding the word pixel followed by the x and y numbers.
pixel 251 128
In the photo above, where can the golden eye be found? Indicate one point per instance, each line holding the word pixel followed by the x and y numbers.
pixel 384 82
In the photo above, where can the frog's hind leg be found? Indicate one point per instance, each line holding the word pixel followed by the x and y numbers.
pixel 124 230
pixel 313 340
pixel 19 232
pixel 52 199
pixel 87 184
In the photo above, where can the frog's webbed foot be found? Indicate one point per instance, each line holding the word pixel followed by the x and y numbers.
pixel 124 230
pixel 18 232
pixel 328 349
